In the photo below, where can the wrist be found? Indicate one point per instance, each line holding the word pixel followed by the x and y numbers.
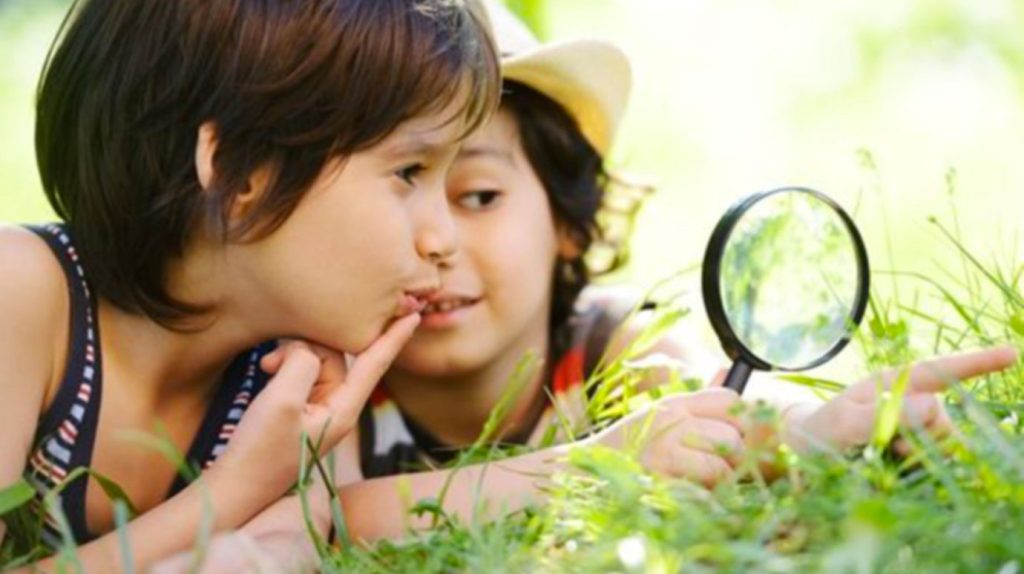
pixel 232 498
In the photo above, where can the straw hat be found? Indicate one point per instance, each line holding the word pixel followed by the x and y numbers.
pixel 591 79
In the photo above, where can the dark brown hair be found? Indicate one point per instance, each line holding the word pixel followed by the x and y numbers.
pixel 289 85
pixel 577 186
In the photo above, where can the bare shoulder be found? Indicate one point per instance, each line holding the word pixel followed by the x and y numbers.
pixel 32 284
pixel 33 305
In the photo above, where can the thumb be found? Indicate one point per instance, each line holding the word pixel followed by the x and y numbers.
pixel 271 362
pixel 297 372
pixel 717 403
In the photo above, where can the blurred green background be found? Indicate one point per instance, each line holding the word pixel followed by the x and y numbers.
pixel 736 96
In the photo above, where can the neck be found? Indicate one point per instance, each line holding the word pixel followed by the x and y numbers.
pixel 429 401
pixel 165 364
pixel 162 363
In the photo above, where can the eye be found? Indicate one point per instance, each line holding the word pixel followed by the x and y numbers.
pixel 408 173
pixel 478 200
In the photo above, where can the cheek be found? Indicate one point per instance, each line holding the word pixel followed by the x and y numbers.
pixel 517 268
pixel 370 231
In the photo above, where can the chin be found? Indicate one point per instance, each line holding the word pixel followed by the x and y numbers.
pixel 425 362
pixel 354 340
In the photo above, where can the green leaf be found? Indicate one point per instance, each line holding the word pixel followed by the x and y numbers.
pixel 813 382
pixel 655 331
pixel 1017 323
pixel 113 491
pixel 890 405
pixel 122 514
pixel 15 495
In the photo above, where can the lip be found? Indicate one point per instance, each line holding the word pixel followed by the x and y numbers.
pixel 426 293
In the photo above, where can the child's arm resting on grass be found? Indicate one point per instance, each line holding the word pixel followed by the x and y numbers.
pixel 373 509
pixel 691 435
pixel 379 508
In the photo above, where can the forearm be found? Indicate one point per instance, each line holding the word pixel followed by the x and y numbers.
pixel 170 527
pixel 379 508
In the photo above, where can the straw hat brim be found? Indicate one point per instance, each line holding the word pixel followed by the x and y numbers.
pixel 591 79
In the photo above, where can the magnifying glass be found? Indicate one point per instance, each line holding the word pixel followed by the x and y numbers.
pixel 785 282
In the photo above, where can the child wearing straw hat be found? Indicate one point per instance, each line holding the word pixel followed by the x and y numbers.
pixel 525 193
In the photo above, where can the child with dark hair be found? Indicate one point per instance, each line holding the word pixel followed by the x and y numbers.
pixel 226 173
pixel 527 194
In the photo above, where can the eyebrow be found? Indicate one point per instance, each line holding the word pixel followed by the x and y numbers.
pixel 415 146
pixel 475 152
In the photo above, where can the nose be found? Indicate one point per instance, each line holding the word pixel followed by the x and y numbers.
pixel 436 238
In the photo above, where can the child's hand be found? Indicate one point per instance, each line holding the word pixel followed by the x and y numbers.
pixel 848 420
pixel 312 392
pixel 695 435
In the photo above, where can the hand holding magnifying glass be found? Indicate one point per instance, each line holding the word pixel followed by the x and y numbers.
pixel 785 283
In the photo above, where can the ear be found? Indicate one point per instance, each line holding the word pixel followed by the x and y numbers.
pixel 206 150
pixel 568 244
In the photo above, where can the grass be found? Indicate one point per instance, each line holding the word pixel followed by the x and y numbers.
pixel 951 507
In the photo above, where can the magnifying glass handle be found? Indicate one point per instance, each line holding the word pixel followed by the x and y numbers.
pixel 738 376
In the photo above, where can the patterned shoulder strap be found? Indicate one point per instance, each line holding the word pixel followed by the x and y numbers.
pixel 67 430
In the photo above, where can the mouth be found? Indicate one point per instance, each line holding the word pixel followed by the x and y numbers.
pixel 449 304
